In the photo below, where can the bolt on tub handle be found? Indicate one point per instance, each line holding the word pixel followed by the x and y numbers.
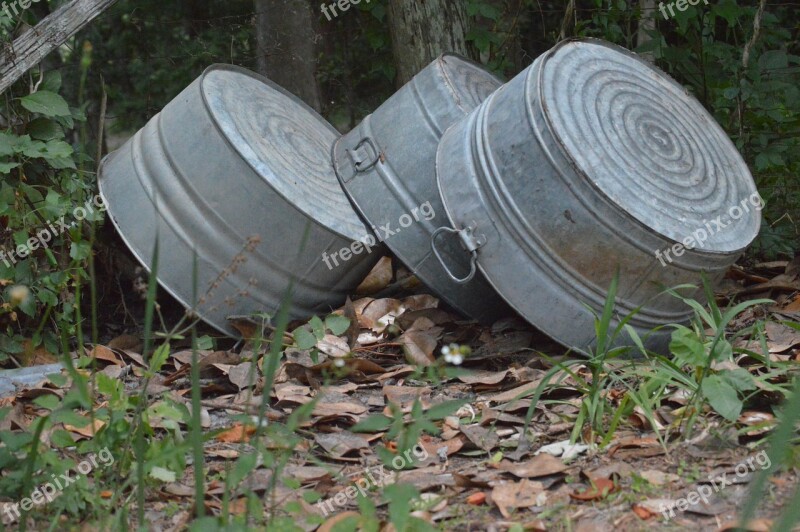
pixel 471 243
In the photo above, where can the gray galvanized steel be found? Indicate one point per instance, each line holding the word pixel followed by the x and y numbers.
pixel 585 164
pixel 237 171
pixel 387 165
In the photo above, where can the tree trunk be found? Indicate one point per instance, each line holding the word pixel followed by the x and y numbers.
pixel 647 23
pixel 422 30
pixel 287 49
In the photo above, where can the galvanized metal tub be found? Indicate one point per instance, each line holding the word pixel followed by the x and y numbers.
pixel 588 162
pixel 237 171
pixel 387 166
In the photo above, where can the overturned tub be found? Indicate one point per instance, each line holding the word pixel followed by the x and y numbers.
pixel 236 172
pixel 387 166
pixel 588 163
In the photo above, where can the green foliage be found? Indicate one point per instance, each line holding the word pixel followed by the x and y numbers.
pixel 48 206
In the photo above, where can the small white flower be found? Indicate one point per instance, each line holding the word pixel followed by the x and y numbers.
pixel 446 351
pixel 18 294
pixel 454 348
pixel 448 357
pixel 339 363
pixel 457 360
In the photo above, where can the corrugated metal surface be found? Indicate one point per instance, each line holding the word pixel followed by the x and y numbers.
pixel 387 166
pixel 237 171
pixel 588 162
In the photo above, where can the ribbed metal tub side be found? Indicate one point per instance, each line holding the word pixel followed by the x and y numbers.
pixel 181 178
pixel 553 238
pixel 387 167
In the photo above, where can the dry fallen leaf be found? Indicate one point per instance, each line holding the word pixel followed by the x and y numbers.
pixel 126 342
pixel 523 494
pixel 378 279
pixel 600 489
pixel 338 444
pixel 100 352
pixel 756 525
pixel 87 431
pixel 540 465
pixel 330 524
pixel 658 478
pixel 237 434
pixel 476 499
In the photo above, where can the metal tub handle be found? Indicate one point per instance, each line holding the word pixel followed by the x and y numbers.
pixel 362 159
pixel 469 241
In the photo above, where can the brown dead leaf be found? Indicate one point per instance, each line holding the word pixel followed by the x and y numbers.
pixel 333 346
pixel 126 342
pixel 659 478
pixel 484 377
pixel 435 315
pixel 523 494
pixel 330 524
pixel 244 375
pixel 642 512
pixel 763 421
pixel 477 499
pixel 756 525
pixel 418 346
pixel 237 434
pixel 781 337
pixel 481 437
pixel 339 444
pixel 377 314
pixel 404 396
pixel 35 356
pixel 87 431
pixel 378 279
pixel 420 302
pixel 540 465
pixel 600 489
pixel 100 352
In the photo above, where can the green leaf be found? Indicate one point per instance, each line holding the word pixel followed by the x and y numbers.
pixel 45 129
pixel 70 417
pixel 740 379
pixel 317 327
pixel 399 497
pixel 58 379
pixel 49 402
pixel 80 250
pixel 442 410
pixel 62 438
pixel 162 474
pixel 52 81
pixel 722 397
pixel 374 423
pixel 337 324
pixel 205 343
pixel 8 144
pixel 46 103
pixel 159 358
pixel 773 60
pixel 304 339
pixel 5 168
pixel 243 467
pixel 687 347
